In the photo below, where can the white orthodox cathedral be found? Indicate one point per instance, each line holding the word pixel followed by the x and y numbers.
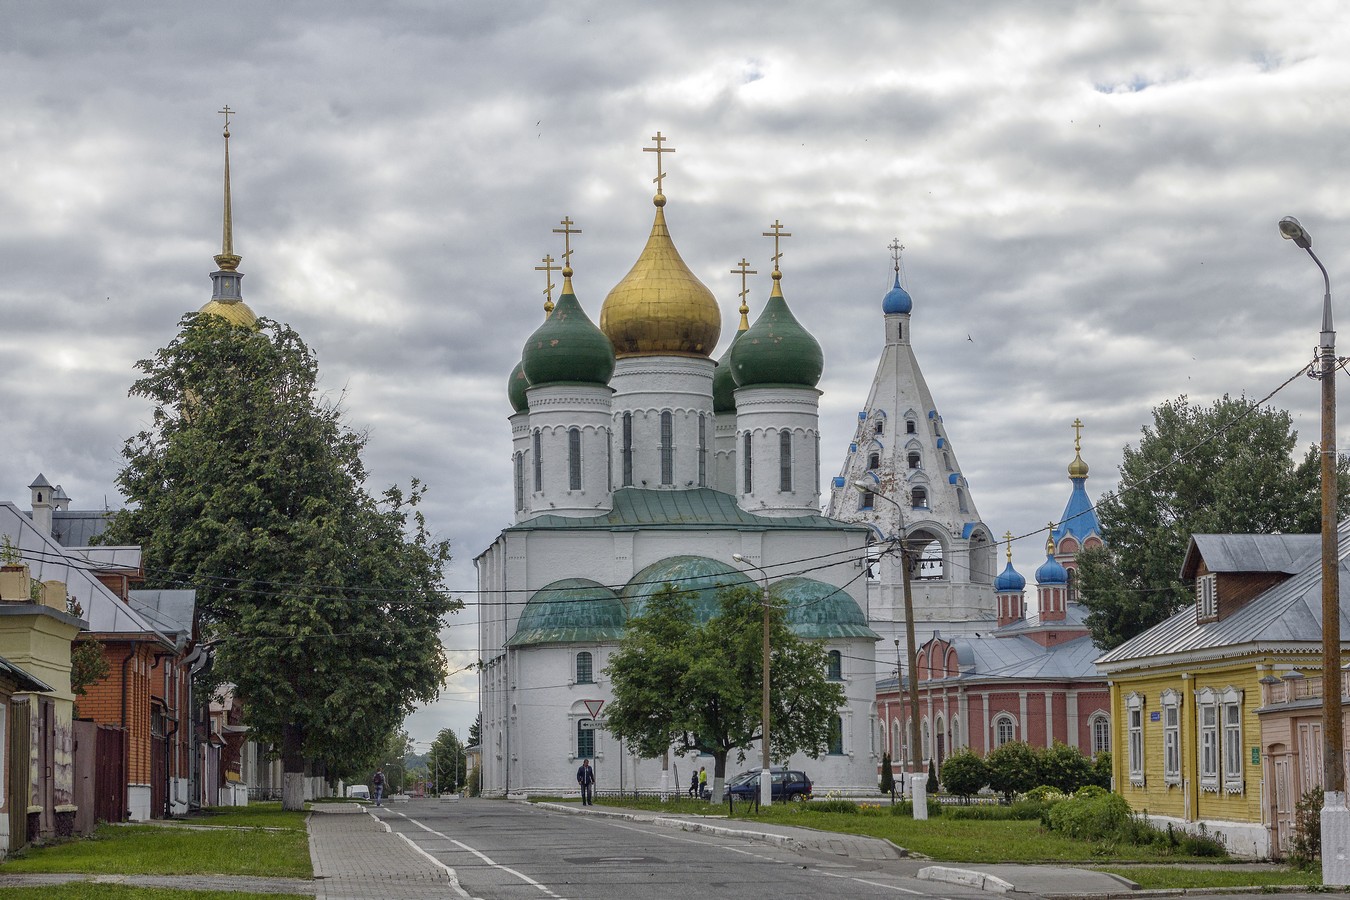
pixel 641 461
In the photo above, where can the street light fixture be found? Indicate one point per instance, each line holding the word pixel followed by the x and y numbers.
pixel 911 647
pixel 1335 816
pixel 765 776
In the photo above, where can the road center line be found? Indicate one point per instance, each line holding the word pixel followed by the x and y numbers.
pixel 484 857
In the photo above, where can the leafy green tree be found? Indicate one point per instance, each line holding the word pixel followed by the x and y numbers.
pixel 1013 769
pixel 1065 768
pixel 1226 468
pixel 447 761
pixel 964 773
pixel 690 687
pixel 476 731
pixel 1101 769
pixel 326 604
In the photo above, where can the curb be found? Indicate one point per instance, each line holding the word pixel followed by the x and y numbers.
pixel 966 877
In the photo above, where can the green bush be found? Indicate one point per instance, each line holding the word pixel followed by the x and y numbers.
pixel 1101 770
pixel 1091 818
pixel 964 773
pixel 906 808
pixel 1064 767
pixel 832 806
pixel 1306 848
pixel 932 785
pixel 1045 794
pixel 1013 769
pixel 887 776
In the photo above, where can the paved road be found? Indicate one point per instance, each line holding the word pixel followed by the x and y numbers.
pixel 502 851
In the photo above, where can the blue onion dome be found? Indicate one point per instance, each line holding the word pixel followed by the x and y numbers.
pixel 568 348
pixel 777 349
pixel 897 300
pixel 815 610
pixel 1051 572
pixel 1010 581
pixel 724 385
pixel 516 386
pixel 572 609
pixel 698 578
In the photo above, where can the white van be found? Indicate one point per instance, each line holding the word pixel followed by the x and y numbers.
pixel 358 792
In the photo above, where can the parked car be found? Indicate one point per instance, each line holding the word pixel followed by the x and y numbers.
pixel 788 784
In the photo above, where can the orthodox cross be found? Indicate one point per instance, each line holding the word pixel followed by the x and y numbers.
pixel 895 248
pixel 743 269
pixel 777 233
pixel 658 150
pixel 1008 536
pixel 548 268
pixel 226 112
pixel 567 231
pixel 1077 434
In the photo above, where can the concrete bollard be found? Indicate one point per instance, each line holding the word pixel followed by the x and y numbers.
pixel 918 795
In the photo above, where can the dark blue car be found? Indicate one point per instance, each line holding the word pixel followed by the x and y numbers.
pixel 788 784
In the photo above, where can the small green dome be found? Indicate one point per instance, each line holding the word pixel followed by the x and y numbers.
pixel 568 348
pixel 776 349
pixel 516 386
pixel 724 385
pixel 699 577
pixel 572 609
pixel 814 609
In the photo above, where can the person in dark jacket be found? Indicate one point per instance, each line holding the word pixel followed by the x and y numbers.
pixel 586 778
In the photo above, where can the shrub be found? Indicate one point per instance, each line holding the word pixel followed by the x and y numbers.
pixel 887 776
pixel 964 773
pixel 832 806
pixel 1091 818
pixel 906 808
pixel 1306 846
pixel 1045 794
pixel 1064 767
pixel 932 786
pixel 1012 769
pixel 1101 770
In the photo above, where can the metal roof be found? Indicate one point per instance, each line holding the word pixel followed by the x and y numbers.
pixel 1289 612
pixel 1287 553
pixel 23 679
pixel 694 508
pixel 172 611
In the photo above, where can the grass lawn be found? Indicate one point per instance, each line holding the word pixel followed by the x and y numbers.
pixel 156 850
pixel 86 891
pixel 255 815
pixel 1157 877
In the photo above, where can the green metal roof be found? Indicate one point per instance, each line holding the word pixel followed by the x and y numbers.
pixel 696 508
pixel 571 609
pixel 815 609
pixel 699 578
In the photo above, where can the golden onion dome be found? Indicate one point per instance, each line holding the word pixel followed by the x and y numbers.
pixel 1078 468
pixel 660 308
pixel 236 312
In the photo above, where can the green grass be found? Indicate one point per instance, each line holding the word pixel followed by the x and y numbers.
pixel 156 850
pixel 255 815
pixel 1159 877
pixel 87 891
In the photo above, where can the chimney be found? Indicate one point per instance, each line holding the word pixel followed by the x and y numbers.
pixel 42 504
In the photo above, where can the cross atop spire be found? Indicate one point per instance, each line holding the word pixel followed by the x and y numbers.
pixel 895 248
pixel 743 269
pixel 1077 435
pixel 567 231
pixel 776 234
pixel 548 268
pixel 658 150
pixel 1008 536
pixel 228 260
pixel 226 112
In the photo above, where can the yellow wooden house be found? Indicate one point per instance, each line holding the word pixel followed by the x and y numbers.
pixel 1189 696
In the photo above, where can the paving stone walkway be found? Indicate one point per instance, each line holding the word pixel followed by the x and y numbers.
pixel 357 857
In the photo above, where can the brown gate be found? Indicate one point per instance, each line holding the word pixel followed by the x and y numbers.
pixel 110 774
pixel 20 773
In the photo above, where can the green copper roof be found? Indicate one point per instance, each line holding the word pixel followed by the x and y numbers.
pixel 818 610
pixel 695 509
pixel 568 348
pixel 698 577
pixel 777 350
pixel 573 609
pixel 724 385
pixel 516 386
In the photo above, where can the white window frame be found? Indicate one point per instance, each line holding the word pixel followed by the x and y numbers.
pixel 1134 737
pixel 576 667
pixel 1207 597
pixel 1230 727
pixel 1100 721
pixel 1001 720
pixel 1207 749
pixel 1171 723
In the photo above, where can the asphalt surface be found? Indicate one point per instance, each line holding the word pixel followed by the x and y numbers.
pixel 400 852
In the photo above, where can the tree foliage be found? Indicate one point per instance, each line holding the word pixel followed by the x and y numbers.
pixel 325 603
pixel 88 664
pixel 964 773
pixel 1226 468
pixel 447 761
pixel 1013 769
pixel 696 687
pixel 887 775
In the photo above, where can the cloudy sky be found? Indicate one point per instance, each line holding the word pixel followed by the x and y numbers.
pixel 1087 192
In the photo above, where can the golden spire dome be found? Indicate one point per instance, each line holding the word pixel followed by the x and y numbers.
pixel 1078 468
pixel 660 308
pixel 226 298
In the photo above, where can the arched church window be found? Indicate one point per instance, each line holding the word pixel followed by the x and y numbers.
pixel 1101 733
pixel 667 448
pixel 520 480
pixel 914 459
pixel 880 427
pixel 627 450
pixel 961 503
pixel 918 498
pixel 834 670
pixel 538 464
pixel 747 470
pixel 785 461
pixel 1005 730
pixel 836 736
pixel 865 499
pixel 911 427
pixel 874 460
pixel 574 459
pixel 947 461
pixel 585 672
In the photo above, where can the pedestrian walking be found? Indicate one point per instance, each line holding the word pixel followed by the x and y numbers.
pixel 693 783
pixel 703 782
pixel 377 781
pixel 586 778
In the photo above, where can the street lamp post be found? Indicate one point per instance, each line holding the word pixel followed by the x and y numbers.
pixel 1335 816
pixel 911 647
pixel 766 775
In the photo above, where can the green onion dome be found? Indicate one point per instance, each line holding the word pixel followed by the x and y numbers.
pixel 724 385
pixel 573 609
pixel 776 349
pixel 516 386
pixel 568 347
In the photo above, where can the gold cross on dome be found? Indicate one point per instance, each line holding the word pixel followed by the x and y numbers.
pixel 743 269
pixel 1077 434
pixel 226 112
pixel 1007 536
pixel 548 268
pixel 567 231
pixel 658 150
pixel 777 233
pixel 895 248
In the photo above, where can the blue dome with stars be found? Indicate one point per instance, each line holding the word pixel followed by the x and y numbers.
pixel 897 300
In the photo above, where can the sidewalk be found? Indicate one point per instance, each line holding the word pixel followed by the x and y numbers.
pixel 357 857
